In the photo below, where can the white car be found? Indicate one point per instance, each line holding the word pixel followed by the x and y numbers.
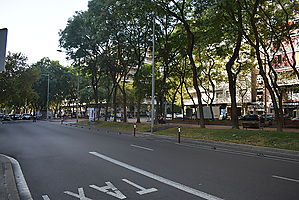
pixel 178 116
pixel 26 116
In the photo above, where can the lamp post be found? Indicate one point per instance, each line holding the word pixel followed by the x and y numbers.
pixel 153 79
pixel 48 91
pixel 78 95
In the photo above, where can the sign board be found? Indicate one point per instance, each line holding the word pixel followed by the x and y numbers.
pixel 3 39
pixel 92 114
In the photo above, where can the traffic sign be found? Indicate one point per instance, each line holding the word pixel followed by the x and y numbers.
pixel 3 39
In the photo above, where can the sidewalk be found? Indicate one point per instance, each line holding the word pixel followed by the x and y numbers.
pixel 8 188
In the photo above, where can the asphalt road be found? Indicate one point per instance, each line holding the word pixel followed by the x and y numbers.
pixel 63 163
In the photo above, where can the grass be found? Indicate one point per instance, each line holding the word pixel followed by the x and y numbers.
pixel 142 127
pixel 282 140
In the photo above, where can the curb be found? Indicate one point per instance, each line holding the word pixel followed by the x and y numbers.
pixel 16 187
pixel 209 144
pixel 8 187
pixel 238 148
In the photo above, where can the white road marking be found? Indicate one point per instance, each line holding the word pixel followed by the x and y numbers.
pixel 45 197
pixel 140 147
pixel 142 189
pixel 285 178
pixel 80 196
pixel 116 193
pixel 20 180
pixel 158 178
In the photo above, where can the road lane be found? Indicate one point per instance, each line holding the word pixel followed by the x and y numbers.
pixel 55 159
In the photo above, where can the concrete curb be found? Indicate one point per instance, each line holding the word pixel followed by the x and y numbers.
pixel 8 187
pixel 257 150
pixel 18 187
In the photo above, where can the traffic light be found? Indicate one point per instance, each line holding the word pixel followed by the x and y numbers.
pixel 3 39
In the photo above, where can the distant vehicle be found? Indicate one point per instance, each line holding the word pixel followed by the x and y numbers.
pixel 295 119
pixel 6 118
pixel 26 116
pixel 1 116
pixel 168 116
pixel 269 116
pixel 15 116
pixel 178 116
pixel 250 117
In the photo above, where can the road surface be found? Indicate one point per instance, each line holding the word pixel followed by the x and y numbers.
pixel 61 162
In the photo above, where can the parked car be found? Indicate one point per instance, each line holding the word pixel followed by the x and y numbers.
pixel 26 116
pixel 295 119
pixel 6 118
pixel 168 116
pixel 1 116
pixel 15 116
pixel 269 116
pixel 178 116
pixel 250 117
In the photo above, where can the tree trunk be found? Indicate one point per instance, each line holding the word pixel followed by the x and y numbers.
pixel 234 109
pixel 125 119
pixel 212 112
pixel 106 111
pixel 232 78
pixel 190 38
pixel 182 101
pixel 138 109
pixel 114 103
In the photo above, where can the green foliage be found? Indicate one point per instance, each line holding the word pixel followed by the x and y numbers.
pixel 62 82
pixel 16 83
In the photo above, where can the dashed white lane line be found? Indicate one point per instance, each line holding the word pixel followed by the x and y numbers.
pixel 140 147
pixel 158 178
pixel 285 178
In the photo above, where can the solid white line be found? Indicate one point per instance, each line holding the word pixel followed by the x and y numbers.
pixel 284 178
pixel 158 178
pixel 140 147
pixel 20 180
pixel 45 197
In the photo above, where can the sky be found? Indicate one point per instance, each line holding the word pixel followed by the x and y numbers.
pixel 33 26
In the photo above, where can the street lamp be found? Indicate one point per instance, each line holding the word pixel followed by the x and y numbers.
pixel 153 78
pixel 78 96
pixel 48 91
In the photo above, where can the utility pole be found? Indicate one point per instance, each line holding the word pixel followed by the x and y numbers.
pixel 78 96
pixel 48 91
pixel 153 78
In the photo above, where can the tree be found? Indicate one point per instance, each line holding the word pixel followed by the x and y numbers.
pixel 63 84
pixel 16 83
pixel 265 31
pixel 185 12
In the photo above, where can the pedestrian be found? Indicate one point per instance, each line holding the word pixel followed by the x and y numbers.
pixel 34 118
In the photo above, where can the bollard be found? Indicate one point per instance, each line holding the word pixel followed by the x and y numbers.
pixel 134 130
pixel 179 135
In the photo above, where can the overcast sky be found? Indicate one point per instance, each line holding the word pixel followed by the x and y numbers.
pixel 33 25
